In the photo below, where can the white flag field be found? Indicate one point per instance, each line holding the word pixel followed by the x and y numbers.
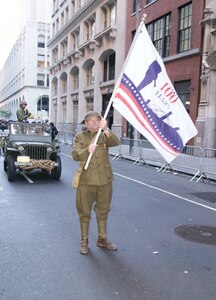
pixel 145 96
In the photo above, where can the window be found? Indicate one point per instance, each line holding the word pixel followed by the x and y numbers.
pixel 40 79
pixel 90 75
pixel 185 16
pixel 183 90
pixel 55 55
pixel 109 68
pixel 89 28
pixel 41 57
pixel 133 33
pixel 113 15
pixel 159 32
pixel 75 113
pixel 63 84
pixel 41 41
pixel 54 86
pixel 62 19
pixel 89 104
pixel 43 104
pixel 41 64
pixel 64 47
pixel 41 45
pixel 75 78
pixel 66 14
pixel 136 6
pixel 149 1
pixel 108 15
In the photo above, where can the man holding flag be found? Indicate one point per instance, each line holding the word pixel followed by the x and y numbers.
pixel 145 96
pixel 94 184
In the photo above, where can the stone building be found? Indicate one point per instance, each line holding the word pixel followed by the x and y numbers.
pixel 87 53
pixel 25 74
pixel 206 121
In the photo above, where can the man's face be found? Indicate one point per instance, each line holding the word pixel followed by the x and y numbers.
pixel 92 124
pixel 23 106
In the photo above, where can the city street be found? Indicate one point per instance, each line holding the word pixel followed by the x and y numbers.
pixel 40 238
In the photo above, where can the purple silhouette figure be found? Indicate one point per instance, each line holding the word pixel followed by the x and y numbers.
pixel 151 75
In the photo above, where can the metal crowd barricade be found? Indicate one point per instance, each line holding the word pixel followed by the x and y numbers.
pixel 128 149
pixel 115 151
pixel 150 156
pixel 189 160
pixel 124 149
pixel 208 166
pixel 193 160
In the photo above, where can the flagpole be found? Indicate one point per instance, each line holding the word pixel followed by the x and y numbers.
pixel 116 86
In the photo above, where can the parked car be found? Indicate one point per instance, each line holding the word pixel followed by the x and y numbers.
pixel 29 147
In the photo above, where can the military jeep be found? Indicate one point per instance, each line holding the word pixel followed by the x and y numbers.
pixel 29 147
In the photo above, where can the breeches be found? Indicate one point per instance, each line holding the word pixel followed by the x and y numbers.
pixel 93 196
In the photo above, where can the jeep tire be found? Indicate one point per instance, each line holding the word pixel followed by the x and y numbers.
pixel 11 168
pixel 56 172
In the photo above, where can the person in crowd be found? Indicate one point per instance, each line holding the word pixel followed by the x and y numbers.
pixel 94 184
pixel 54 130
pixel 22 113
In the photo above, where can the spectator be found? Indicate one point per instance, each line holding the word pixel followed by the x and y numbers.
pixel 54 130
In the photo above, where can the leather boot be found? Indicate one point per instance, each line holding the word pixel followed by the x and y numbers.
pixel 84 237
pixel 84 247
pixel 102 236
pixel 104 243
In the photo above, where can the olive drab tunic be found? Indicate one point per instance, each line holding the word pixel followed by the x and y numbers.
pixel 99 171
pixel 22 114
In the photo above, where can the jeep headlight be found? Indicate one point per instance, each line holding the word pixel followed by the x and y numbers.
pixel 49 149
pixel 21 148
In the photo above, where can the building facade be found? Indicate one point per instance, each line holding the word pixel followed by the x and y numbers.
pixel 87 52
pixel 177 35
pixel 25 74
pixel 206 121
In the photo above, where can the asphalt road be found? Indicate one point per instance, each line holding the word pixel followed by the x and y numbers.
pixel 39 239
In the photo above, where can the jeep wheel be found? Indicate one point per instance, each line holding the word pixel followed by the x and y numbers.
pixel 56 172
pixel 11 168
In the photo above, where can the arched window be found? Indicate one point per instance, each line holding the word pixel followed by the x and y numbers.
pixel 88 68
pixel 109 67
pixel 63 82
pixel 43 107
pixel 54 86
pixel 75 78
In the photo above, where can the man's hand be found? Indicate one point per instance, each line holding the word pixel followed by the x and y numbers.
pixel 103 124
pixel 91 148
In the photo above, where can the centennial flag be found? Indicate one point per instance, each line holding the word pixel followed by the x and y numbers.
pixel 145 96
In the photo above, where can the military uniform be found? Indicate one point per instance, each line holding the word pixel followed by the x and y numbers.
pixel 22 114
pixel 95 183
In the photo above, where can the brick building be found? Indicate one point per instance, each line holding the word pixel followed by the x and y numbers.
pixel 174 27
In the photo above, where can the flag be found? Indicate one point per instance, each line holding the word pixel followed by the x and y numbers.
pixel 145 96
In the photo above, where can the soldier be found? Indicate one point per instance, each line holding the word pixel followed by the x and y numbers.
pixel 95 182
pixel 22 113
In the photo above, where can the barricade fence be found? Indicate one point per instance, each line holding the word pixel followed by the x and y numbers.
pixel 195 161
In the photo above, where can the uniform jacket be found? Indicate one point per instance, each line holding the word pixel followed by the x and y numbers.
pixel 99 171
pixel 22 114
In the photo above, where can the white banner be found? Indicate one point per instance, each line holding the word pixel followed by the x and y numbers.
pixel 146 97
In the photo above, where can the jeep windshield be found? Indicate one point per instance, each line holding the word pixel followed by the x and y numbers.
pixel 30 129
